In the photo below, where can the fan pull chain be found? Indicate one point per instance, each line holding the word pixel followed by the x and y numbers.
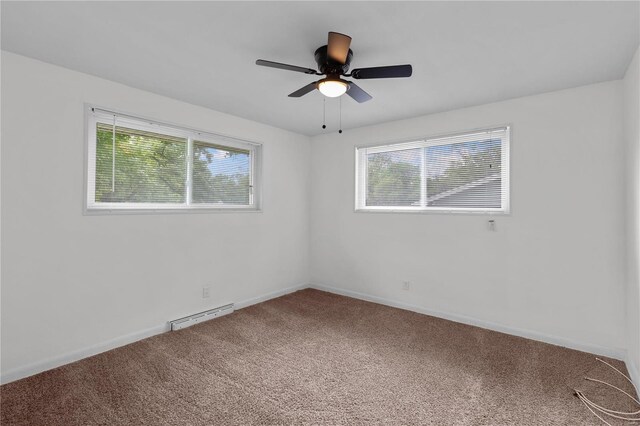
pixel 340 129
pixel 324 112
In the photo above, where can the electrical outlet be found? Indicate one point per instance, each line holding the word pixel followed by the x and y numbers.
pixel 406 285
pixel 205 292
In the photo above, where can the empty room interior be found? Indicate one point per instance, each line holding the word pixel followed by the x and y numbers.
pixel 320 213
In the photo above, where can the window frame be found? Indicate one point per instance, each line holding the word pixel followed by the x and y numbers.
pixel 424 142
pixel 95 114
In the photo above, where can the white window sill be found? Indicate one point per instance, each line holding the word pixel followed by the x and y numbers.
pixel 99 211
pixel 435 211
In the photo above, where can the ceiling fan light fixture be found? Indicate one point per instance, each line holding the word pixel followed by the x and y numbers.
pixel 332 88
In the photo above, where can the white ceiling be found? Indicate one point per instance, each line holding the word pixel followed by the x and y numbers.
pixel 463 53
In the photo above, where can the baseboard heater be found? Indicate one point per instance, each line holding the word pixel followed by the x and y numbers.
pixel 201 317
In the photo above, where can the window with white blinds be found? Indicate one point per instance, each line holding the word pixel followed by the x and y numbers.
pixel 135 164
pixel 466 172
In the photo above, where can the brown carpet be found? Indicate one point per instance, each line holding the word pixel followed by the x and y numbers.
pixel 317 358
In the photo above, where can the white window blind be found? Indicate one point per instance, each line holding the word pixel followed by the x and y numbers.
pixel 135 164
pixel 466 172
pixel 221 175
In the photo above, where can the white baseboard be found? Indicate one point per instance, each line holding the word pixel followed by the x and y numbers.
pixel 269 296
pixel 58 361
pixel 40 366
pixel 632 368
pixel 615 353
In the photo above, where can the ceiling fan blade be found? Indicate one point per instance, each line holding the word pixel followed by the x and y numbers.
pixel 338 47
pixel 392 71
pixel 287 67
pixel 304 90
pixel 357 93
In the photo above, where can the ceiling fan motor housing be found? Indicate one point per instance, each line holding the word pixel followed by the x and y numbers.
pixel 328 66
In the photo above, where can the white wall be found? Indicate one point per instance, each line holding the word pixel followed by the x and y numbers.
pixel 631 87
pixel 554 270
pixel 69 281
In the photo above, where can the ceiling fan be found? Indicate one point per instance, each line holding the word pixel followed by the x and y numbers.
pixel 333 61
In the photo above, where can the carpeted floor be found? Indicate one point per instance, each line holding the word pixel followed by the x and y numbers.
pixel 317 358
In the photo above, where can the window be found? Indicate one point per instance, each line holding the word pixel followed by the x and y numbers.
pixel 134 164
pixel 460 173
